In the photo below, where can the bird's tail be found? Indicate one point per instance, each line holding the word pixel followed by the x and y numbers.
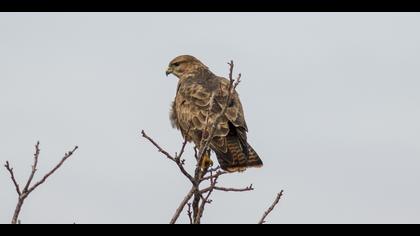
pixel 239 156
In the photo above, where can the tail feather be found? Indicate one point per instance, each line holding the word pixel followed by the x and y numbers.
pixel 239 156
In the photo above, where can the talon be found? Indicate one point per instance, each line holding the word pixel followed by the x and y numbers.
pixel 206 162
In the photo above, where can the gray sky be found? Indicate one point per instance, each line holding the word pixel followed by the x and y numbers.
pixel 331 100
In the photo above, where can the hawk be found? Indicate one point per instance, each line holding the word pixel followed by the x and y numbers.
pixel 200 98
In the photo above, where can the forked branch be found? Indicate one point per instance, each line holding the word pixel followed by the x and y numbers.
pixel 23 194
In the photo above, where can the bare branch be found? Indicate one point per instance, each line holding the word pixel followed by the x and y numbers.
pixel 177 159
pixel 276 201
pixel 169 156
pixel 238 80
pixel 28 189
pixel 211 170
pixel 182 205
pixel 66 156
pixel 205 200
pixel 196 153
pixel 31 176
pixel 12 176
pixel 231 65
pixel 15 218
pixel 189 213
pixel 178 156
pixel 218 173
pixel 246 189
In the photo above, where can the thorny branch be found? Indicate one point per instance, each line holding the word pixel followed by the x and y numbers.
pixel 23 194
pixel 210 174
pixel 271 208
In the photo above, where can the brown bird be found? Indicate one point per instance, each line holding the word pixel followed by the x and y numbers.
pixel 201 94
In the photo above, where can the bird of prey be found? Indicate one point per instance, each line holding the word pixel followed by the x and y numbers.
pixel 200 98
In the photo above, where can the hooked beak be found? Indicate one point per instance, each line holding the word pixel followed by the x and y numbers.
pixel 169 71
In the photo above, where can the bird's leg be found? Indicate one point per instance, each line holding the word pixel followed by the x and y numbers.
pixel 206 162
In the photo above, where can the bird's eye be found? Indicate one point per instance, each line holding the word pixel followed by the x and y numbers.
pixel 176 64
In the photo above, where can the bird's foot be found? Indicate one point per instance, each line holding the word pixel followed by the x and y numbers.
pixel 206 162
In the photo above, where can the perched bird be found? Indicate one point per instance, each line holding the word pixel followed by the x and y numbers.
pixel 200 98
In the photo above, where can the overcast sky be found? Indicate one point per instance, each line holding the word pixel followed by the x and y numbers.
pixel 332 102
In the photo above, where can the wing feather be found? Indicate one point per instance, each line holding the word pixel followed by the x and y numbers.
pixel 205 95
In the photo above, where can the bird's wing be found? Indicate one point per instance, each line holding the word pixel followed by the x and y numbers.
pixel 234 115
pixel 205 96
pixel 234 112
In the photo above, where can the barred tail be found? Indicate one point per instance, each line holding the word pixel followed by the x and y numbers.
pixel 239 156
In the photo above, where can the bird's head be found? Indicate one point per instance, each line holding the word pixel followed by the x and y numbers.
pixel 184 66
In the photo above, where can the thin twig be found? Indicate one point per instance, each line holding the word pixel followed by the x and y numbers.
pixel 22 195
pixel 215 169
pixel 249 188
pixel 276 201
pixel 177 159
pixel 12 176
pixel 205 201
pixel 246 189
pixel 31 176
pixel 178 156
pixel 189 213
pixel 66 156
pixel 182 205
pixel 196 153
pixel 169 156
pixel 218 173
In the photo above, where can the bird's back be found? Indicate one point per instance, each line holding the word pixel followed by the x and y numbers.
pixel 199 101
